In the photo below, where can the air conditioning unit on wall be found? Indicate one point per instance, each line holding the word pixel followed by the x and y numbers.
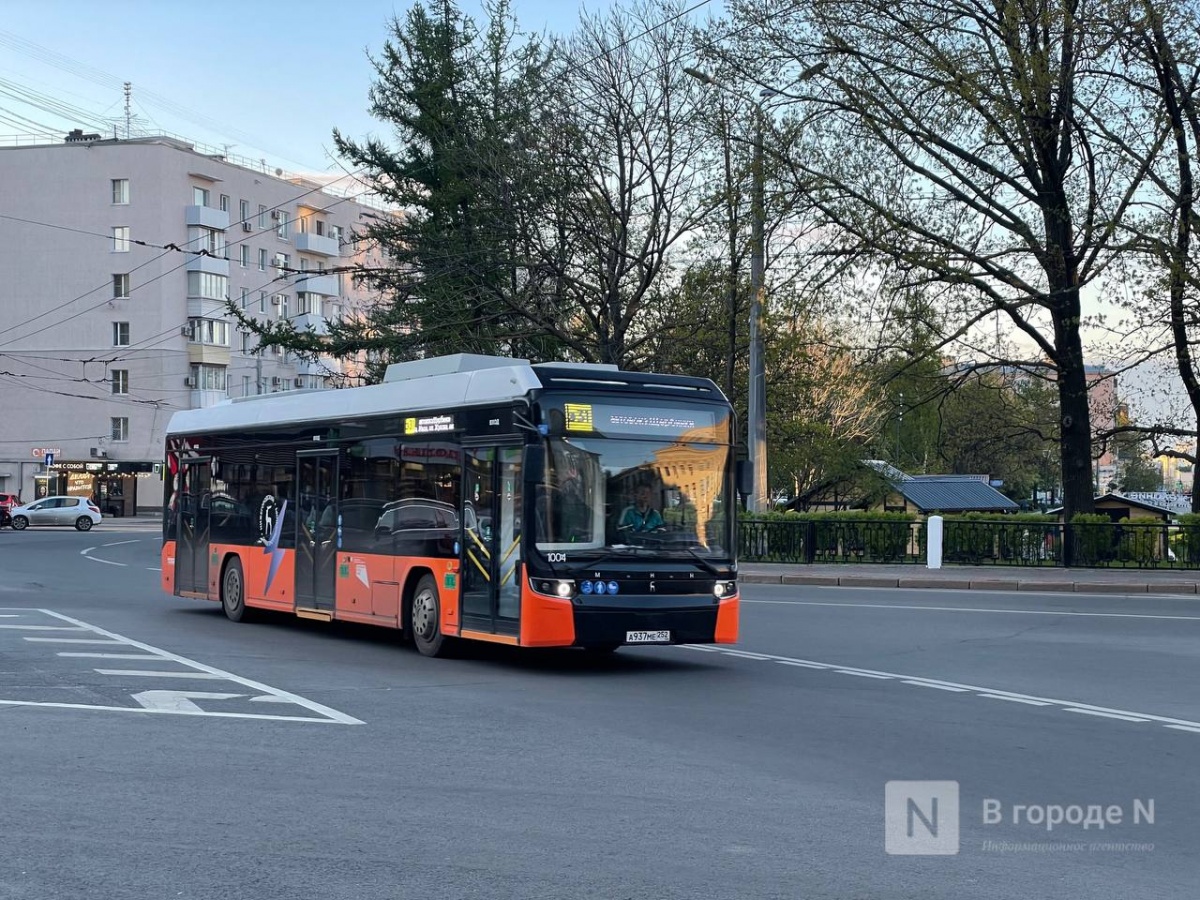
pixel 189 382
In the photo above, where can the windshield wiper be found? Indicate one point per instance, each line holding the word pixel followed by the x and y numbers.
pixel 611 554
pixel 709 567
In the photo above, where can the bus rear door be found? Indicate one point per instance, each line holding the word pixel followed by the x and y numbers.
pixel 191 549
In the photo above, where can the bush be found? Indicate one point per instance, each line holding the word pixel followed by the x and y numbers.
pixel 1187 541
pixel 827 536
pixel 1093 536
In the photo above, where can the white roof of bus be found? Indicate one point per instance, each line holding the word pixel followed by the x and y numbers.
pixel 427 384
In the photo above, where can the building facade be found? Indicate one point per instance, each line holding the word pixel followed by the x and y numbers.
pixel 102 337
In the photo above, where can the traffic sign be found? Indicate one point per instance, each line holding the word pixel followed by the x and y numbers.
pixel 48 459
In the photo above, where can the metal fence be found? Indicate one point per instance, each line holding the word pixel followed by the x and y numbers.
pixel 1152 545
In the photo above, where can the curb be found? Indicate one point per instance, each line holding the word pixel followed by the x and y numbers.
pixel 965 584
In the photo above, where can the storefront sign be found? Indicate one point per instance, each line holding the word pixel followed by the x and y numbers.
pixel 39 452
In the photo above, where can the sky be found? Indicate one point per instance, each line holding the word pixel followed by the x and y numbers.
pixel 270 78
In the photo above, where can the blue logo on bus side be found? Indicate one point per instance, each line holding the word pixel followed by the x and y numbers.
pixel 272 546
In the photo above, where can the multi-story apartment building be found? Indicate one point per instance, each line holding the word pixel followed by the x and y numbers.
pixel 102 337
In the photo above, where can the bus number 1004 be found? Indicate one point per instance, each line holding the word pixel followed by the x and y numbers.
pixel 556 557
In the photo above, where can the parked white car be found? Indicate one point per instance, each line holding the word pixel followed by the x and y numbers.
pixel 77 511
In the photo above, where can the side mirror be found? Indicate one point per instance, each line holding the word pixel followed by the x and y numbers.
pixel 744 476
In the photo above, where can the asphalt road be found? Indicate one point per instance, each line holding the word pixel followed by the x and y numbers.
pixel 333 762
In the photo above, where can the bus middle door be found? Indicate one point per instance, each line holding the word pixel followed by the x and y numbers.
pixel 317 529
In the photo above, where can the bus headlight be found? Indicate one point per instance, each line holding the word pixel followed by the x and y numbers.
pixel 724 589
pixel 555 587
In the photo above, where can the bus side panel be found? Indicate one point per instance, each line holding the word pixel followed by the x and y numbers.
pixel 727 621
pixel 256 568
pixel 167 563
pixel 545 621
pixel 366 586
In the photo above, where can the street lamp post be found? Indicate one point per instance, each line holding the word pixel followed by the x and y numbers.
pixel 756 426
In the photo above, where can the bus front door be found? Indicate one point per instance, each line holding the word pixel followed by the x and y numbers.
pixel 491 563
pixel 317 529
pixel 191 547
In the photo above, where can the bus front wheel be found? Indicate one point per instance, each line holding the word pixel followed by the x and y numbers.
pixel 425 618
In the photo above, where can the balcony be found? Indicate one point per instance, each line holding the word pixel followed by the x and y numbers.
pixel 308 320
pixel 207 217
pixel 204 399
pixel 316 283
pixel 319 367
pixel 319 244
pixel 210 264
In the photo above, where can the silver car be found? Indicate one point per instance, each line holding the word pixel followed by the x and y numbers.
pixel 77 511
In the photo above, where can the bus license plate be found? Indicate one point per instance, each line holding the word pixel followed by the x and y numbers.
pixel 647 637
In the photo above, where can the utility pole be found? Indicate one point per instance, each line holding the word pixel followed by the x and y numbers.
pixel 757 412
pixel 128 107
pixel 258 374
pixel 756 425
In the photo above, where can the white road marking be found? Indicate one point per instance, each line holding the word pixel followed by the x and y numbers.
pixel 976 609
pixel 329 714
pixel 861 674
pixel 938 687
pixel 1124 717
pixel 199 676
pixel 119 543
pixel 153 568
pixel 179 712
pixel 178 701
pixel 110 655
pixel 11 616
pixel 107 562
pixel 1015 699
pixel 73 641
pixel 40 628
pixel 1104 712
pixel 804 665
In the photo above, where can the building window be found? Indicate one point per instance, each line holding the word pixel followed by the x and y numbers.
pixel 120 239
pixel 224 203
pixel 120 429
pixel 199 196
pixel 262 216
pixel 208 331
pixel 308 304
pixel 283 261
pixel 120 286
pixel 120 191
pixel 209 240
pixel 262 301
pixel 244 255
pixel 208 286
pixel 245 385
pixel 120 334
pixel 335 232
pixel 262 259
pixel 281 301
pixel 320 228
pixel 245 297
pixel 119 378
pixel 246 348
pixel 244 210
pixel 281 230
pixel 208 378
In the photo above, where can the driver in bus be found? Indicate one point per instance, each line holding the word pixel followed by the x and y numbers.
pixel 642 517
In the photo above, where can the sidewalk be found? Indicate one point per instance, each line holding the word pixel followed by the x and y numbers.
pixel 975 578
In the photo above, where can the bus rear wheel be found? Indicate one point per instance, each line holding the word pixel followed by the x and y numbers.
pixel 424 620
pixel 233 592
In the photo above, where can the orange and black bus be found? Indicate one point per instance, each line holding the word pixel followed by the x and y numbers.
pixel 466 497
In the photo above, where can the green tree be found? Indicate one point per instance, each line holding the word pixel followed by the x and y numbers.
pixel 951 142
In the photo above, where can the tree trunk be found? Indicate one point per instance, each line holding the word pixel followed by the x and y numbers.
pixel 1075 447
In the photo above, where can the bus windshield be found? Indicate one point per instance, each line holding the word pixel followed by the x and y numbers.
pixel 612 496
